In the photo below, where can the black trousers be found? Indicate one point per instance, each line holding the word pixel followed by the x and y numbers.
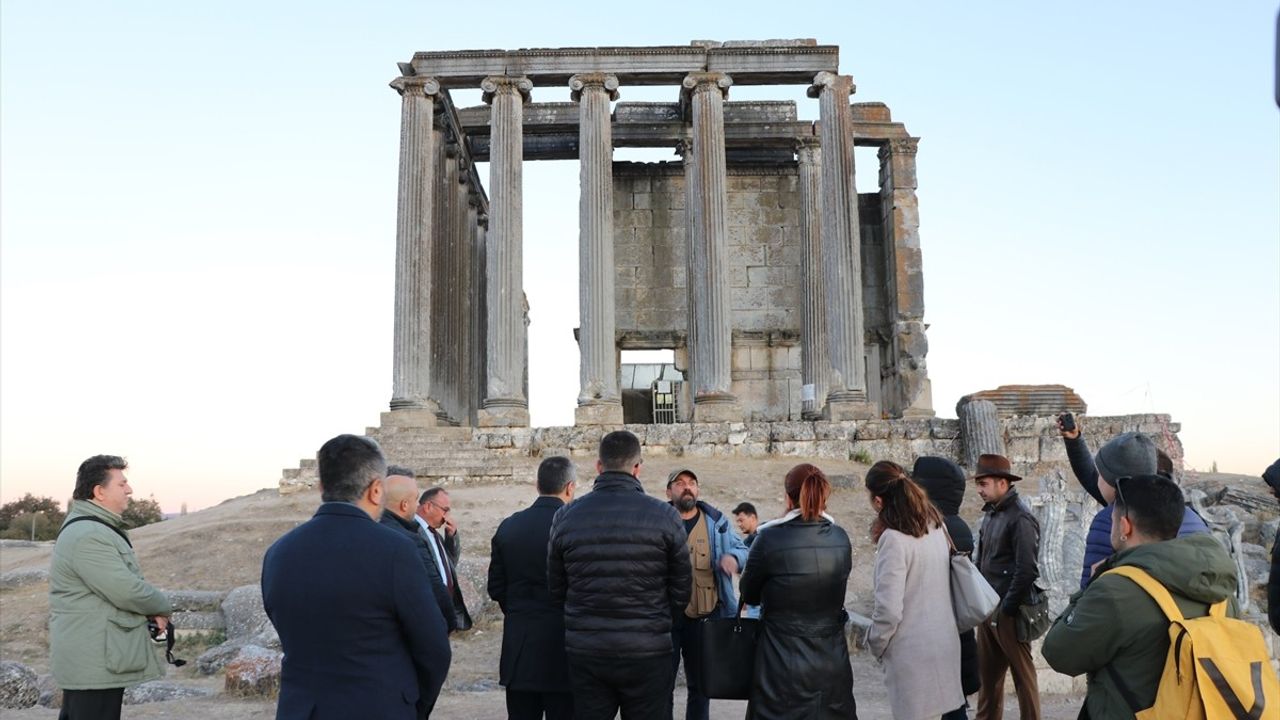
pixel 686 641
pixel 529 705
pixel 91 704
pixel 639 687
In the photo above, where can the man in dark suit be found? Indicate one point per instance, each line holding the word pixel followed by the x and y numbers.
pixel 361 634
pixel 400 498
pixel 435 516
pixel 534 668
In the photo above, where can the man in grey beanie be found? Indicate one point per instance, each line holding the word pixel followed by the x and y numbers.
pixel 1126 455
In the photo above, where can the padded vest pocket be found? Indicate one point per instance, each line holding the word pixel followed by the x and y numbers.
pixel 127 643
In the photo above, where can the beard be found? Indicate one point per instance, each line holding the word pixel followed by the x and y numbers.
pixel 686 502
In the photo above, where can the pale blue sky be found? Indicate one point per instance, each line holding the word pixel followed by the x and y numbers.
pixel 197 216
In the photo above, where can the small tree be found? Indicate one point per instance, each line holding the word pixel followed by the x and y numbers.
pixel 30 505
pixel 32 526
pixel 142 512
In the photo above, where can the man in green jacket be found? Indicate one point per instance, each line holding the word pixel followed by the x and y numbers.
pixel 1112 629
pixel 99 602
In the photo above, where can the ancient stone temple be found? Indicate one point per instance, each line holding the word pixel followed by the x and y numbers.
pixel 782 292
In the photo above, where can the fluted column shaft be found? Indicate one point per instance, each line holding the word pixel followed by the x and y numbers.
pixel 710 321
pixel 411 344
pixel 841 244
pixel 505 402
pixel 599 400
pixel 815 366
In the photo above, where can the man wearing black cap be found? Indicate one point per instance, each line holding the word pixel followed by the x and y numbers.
pixel 716 554
pixel 1008 546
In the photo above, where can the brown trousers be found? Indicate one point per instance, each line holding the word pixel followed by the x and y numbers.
pixel 999 651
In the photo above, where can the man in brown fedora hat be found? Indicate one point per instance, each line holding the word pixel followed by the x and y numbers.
pixel 1008 545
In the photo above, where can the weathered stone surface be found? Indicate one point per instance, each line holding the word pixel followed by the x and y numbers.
pixel 710 433
pixel 23 576
pixel 244 613
pixel 50 693
pixel 216 658
pixel 792 431
pixel 18 685
pixel 980 431
pixel 162 691
pixel 254 672
pixel 196 600
pixel 1045 400
pixel 186 620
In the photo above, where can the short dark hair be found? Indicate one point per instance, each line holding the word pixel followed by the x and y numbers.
pixel 554 474
pixel 745 507
pixel 399 470
pixel 1153 503
pixel 429 495
pixel 94 472
pixel 348 464
pixel 619 451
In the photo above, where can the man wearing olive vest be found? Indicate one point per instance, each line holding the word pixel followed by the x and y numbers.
pixel 716 554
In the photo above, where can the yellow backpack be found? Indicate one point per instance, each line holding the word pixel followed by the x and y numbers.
pixel 1217 667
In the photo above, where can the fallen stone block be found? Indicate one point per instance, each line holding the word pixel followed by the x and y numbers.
pixel 162 691
pixel 254 673
pixel 19 686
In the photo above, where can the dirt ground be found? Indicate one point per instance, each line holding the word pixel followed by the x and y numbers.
pixel 221 548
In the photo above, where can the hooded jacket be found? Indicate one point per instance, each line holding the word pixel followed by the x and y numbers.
pixel 98 606
pixel 944 482
pixel 1114 622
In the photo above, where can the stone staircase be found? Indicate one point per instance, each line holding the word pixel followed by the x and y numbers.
pixel 438 456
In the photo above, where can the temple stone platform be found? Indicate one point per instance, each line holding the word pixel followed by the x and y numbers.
pixel 452 455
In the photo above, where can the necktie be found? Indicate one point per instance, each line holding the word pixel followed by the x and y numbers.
pixel 444 560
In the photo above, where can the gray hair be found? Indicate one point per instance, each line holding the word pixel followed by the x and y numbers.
pixel 348 465
pixel 554 474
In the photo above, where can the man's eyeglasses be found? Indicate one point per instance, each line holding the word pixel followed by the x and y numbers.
pixel 1120 494
pixel 441 508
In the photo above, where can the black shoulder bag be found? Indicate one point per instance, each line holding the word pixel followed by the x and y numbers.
pixel 728 656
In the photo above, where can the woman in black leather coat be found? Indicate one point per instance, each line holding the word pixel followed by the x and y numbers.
pixel 797 572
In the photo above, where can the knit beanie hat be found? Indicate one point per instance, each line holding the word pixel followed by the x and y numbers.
pixel 1127 455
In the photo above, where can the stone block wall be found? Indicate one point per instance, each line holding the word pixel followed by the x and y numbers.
pixel 765 276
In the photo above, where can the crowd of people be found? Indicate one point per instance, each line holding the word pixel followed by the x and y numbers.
pixel 603 594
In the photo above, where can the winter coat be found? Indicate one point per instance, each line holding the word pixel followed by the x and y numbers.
pixel 533 657
pixel 797 573
pixel 1097 543
pixel 1008 546
pixel 723 542
pixel 439 590
pixel 98 606
pixel 913 630
pixel 946 492
pixel 1115 622
pixel 619 561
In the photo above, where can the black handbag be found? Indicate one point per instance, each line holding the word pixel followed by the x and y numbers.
pixel 728 656
pixel 1033 617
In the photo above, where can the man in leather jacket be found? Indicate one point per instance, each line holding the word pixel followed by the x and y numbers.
pixel 1008 545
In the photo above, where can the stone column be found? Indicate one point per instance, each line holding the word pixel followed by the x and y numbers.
pixel 912 395
pixel 815 367
pixel 599 402
pixel 505 403
pixel 411 402
pixel 842 263
pixel 710 321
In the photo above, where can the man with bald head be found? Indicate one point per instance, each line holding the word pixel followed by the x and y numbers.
pixel 401 500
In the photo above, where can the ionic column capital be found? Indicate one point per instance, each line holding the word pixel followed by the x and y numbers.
pixel 833 82
pixel 582 81
pixel 700 82
pixel 495 84
pixel 422 86
pixel 807 147
pixel 902 146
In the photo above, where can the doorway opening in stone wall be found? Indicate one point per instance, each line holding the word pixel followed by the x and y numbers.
pixel 651 386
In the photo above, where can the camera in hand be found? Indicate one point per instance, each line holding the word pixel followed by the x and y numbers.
pixel 1068 421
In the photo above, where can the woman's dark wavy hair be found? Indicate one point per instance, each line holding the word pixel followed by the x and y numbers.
pixel 905 506
pixel 808 489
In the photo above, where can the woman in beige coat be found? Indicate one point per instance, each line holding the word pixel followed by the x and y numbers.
pixel 913 628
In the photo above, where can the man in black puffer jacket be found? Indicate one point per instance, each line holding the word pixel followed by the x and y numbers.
pixel 944 481
pixel 619 561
